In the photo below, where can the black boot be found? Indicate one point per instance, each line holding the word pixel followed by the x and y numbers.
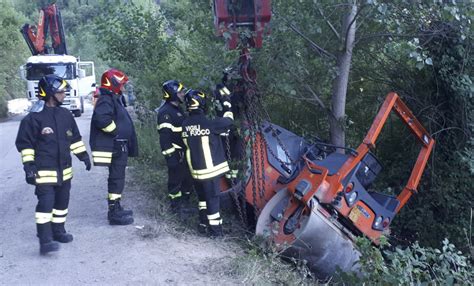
pixel 45 235
pixel 203 222
pixel 176 206
pixel 48 247
pixel 215 231
pixel 116 216
pixel 60 234
pixel 63 237
pixel 120 209
pixel 187 207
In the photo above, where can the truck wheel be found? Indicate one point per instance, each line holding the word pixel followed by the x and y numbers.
pixel 76 113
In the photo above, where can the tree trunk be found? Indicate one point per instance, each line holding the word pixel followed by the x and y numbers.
pixel 339 91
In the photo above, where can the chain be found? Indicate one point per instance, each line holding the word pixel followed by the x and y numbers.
pixel 235 197
pixel 255 113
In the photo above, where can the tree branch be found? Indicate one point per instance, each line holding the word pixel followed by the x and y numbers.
pixel 382 35
pixel 312 43
pixel 329 24
pixel 315 96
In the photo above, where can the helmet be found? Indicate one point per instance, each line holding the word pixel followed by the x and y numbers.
pixel 113 80
pixel 49 85
pixel 195 99
pixel 171 89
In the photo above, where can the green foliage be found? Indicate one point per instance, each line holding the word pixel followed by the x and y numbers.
pixel 412 265
pixel 419 50
pixel 13 53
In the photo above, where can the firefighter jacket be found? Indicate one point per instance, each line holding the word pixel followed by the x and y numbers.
pixel 45 140
pixel 110 126
pixel 170 120
pixel 205 152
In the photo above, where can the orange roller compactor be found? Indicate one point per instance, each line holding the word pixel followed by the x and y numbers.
pixel 311 204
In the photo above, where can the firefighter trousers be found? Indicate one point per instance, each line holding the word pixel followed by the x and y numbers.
pixel 116 179
pixel 208 194
pixel 180 181
pixel 51 210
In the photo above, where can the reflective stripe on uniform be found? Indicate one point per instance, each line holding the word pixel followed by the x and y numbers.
pixel 215 222
pixel 202 205
pixel 214 216
pixel 109 128
pixel 224 91
pixel 102 154
pixel 210 173
pixel 228 104
pixel 58 219
pixel 42 218
pixel 175 196
pixel 212 169
pixel 170 126
pixel 60 212
pixel 47 173
pixel 102 157
pixel 27 155
pixel 168 151
pixel 78 147
pixel 232 174
pixel 214 219
pixel 176 146
pixel 229 114
pixel 114 197
pixel 47 177
pixel 67 174
pixel 101 160
pixel 47 180
pixel 188 155
pixel 206 150
pixel 59 216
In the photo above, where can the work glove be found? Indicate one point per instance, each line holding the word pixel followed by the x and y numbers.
pixel 222 93
pixel 87 162
pixel 31 173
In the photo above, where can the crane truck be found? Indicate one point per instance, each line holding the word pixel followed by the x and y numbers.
pixel 54 60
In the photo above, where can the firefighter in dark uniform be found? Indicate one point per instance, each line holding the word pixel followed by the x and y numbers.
pixel 113 140
pixel 206 156
pixel 46 138
pixel 170 119
pixel 231 140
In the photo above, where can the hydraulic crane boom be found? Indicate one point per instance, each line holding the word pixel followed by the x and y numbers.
pixel 35 36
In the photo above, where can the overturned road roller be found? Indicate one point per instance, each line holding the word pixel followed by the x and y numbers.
pixel 312 201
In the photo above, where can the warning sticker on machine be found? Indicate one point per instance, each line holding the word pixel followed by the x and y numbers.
pixel 356 212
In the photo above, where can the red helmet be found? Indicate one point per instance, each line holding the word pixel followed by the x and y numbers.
pixel 113 80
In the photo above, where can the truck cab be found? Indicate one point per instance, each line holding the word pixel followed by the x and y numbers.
pixel 79 75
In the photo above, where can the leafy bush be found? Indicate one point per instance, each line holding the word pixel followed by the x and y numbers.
pixel 411 265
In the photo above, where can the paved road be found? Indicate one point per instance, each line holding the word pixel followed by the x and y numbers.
pixel 100 253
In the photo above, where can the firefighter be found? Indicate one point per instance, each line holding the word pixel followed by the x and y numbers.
pixel 231 140
pixel 170 119
pixel 206 156
pixel 46 137
pixel 113 140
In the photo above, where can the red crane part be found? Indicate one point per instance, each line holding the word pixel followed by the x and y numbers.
pixel 230 15
pixel 35 37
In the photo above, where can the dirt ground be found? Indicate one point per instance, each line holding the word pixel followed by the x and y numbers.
pixel 146 252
